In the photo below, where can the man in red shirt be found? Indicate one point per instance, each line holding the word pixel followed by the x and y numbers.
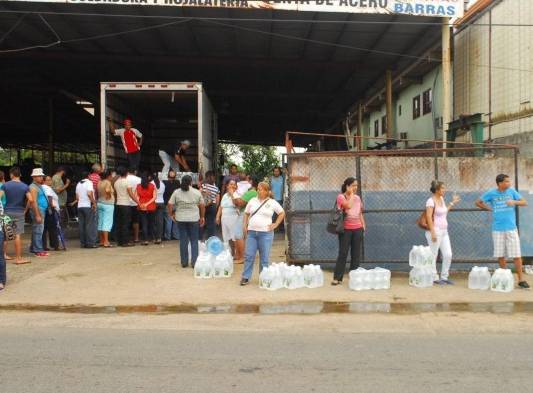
pixel 132 140
pixel 94 177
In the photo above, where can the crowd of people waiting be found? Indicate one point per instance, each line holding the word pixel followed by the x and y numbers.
pixel 138 208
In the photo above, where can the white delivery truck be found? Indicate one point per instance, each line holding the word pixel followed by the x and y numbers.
pixel 165 113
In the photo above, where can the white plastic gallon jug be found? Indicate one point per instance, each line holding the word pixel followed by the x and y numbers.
pixel 502 281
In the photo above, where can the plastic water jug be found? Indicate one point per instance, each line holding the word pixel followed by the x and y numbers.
pixel 382 278
pixel 214 245
pixel 203 267
pixel 218 266
pixel 502 281
pixel 228 264
pixel 479 278
pixel 484 278
pixel 357 279
pixel 320 276
pixel 473 278
pixel 313 276
pixel 270 279
pixel 421 277
pixel 421 256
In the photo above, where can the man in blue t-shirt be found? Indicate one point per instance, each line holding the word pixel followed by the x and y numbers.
pixel 502 202
pixel 18 196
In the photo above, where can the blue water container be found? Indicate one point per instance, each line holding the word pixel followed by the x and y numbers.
pixel 214 245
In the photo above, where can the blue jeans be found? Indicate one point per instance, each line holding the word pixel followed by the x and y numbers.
pixel 210 222
pixel 3 278
pixel 261 241
pixel 87 227
pixel 171 229
pixel 189 232
pixel 37 231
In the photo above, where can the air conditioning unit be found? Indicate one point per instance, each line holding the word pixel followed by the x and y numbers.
pixel 438 122
pixel 403 135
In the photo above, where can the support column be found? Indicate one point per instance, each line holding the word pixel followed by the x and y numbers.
pixel 388 93
pixel 446 80
pixel 50 135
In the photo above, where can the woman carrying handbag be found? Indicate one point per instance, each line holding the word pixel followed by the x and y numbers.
pixel 437 230
pixel 351 237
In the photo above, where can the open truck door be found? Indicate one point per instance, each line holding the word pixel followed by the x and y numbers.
pixel 165 113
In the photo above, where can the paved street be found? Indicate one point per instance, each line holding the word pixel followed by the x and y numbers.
pixel 112 358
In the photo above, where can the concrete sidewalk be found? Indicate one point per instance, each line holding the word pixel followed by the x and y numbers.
pixel 151 275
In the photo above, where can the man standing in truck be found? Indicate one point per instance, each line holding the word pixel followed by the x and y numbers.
pixel 132 139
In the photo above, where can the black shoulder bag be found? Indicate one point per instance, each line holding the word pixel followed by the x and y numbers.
pixel 336 221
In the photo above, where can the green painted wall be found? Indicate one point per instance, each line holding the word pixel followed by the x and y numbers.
pixel 420 128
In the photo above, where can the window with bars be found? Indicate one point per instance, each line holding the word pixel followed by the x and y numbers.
pixel 427 98
pixel 416 107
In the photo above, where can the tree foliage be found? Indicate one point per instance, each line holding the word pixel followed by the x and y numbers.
pixel 255 160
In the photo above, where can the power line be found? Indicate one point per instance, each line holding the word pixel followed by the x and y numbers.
pixel 9 31
pixel 74 40
pixel 273 20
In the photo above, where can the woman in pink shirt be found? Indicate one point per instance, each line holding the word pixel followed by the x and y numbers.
pixel 437 235
pixel 354 225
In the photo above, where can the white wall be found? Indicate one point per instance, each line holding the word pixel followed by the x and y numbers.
pixel 511 69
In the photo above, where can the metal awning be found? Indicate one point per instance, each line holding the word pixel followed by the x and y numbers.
pixel 266 71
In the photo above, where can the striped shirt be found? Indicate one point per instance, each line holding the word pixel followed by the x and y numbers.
pixel 210 192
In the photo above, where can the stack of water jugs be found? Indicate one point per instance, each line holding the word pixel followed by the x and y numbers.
pixel 479 278
pixel 362 279
pixel 281 275
pixel 421 260
pixel 214 260
pixel 502 281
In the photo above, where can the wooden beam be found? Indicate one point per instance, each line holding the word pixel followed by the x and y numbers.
pixel 388 89
pixel 446 79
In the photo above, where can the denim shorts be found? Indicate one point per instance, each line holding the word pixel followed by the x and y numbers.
pixel 19 219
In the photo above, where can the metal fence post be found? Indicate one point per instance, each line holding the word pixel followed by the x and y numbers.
pixel 516 173
pixel 359 172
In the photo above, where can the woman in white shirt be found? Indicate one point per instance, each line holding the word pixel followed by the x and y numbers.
pixel 259 229
pixel 437 235
pixel 230 219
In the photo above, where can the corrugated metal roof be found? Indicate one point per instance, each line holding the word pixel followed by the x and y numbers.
pixel 263 77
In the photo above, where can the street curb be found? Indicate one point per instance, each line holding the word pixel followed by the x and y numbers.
pixel 295 308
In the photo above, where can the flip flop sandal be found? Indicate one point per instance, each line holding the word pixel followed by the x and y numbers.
pixel 24 262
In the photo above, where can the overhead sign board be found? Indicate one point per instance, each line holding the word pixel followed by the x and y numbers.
pixel 437 8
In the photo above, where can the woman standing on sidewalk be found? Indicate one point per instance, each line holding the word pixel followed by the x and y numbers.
pixel 106 207
pixel 259 229
pixel 437 235
pixel 190 216
pixel 354 226
pixel 146 195
pixel 229 216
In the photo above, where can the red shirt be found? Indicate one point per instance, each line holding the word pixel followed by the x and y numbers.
pixel 95 179
pixel 145 194
pixel 352 218
pixel 129 139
